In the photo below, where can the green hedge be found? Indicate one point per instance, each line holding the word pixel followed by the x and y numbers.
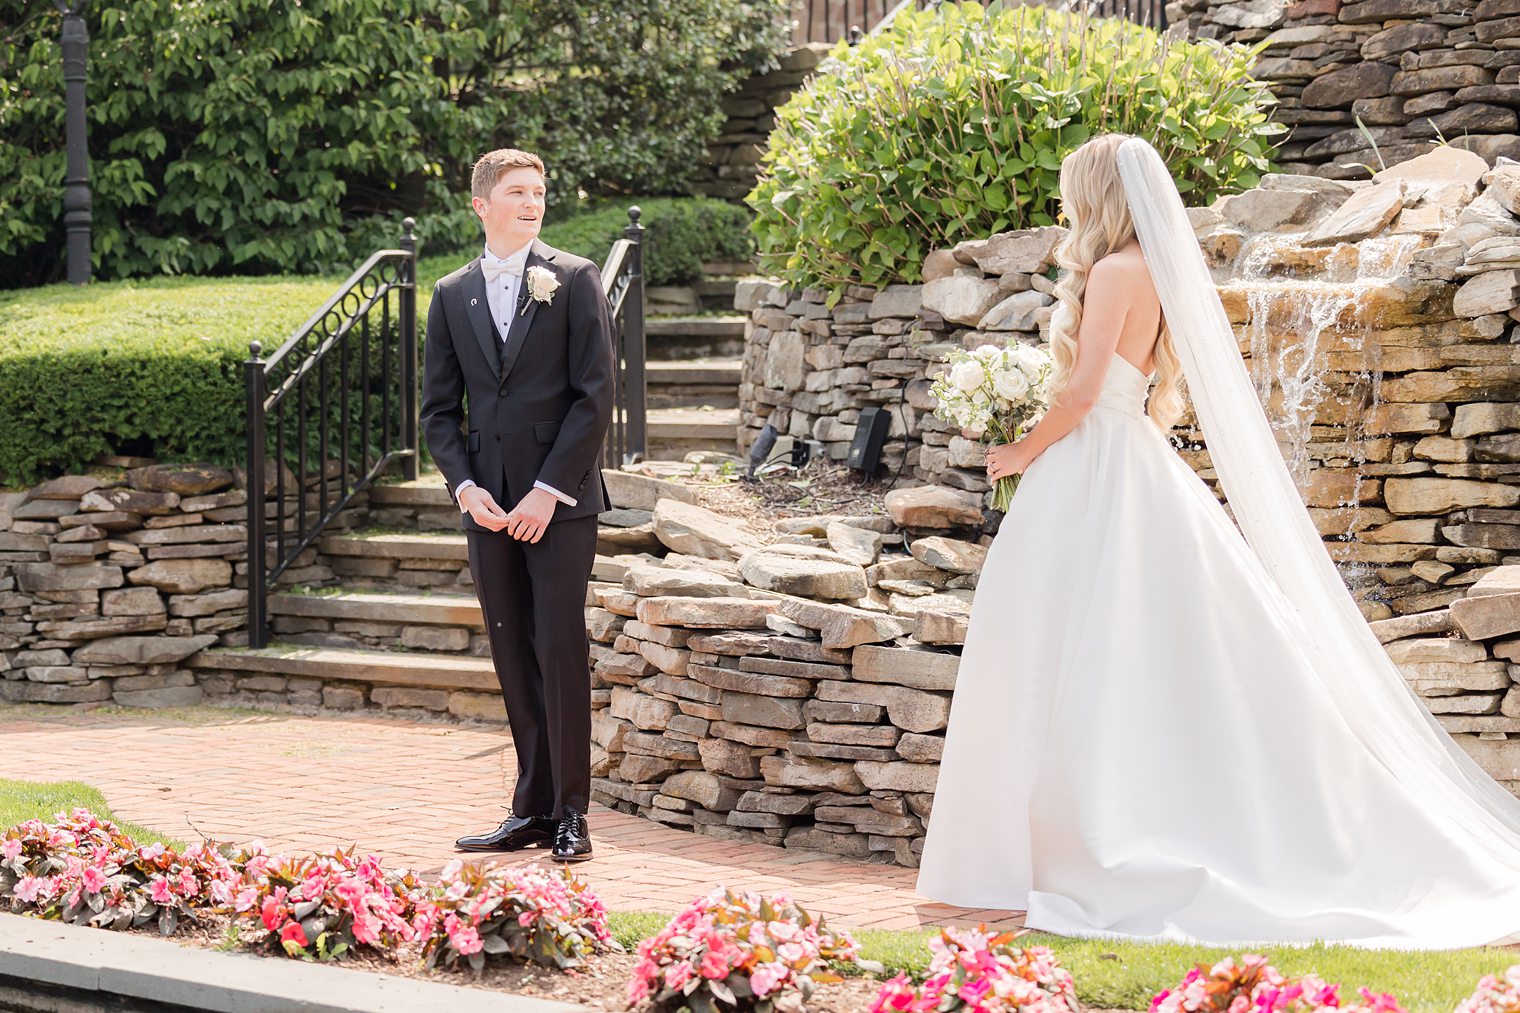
pixel 155 366
pixel 247 137
pixel 680 234
pixel 952 125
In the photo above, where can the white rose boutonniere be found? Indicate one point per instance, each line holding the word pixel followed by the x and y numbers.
pixel 542 284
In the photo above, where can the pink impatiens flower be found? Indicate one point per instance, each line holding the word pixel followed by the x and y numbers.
pixel 28 889
pixel 293 933
pixel 94 879
pixel 10 847
pixel 765 977
pixel 159 890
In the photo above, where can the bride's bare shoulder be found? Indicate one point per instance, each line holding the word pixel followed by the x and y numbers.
pixel 1124 268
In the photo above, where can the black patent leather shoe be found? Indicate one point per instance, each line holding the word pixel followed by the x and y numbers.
pixel 572 839
pixel 514 834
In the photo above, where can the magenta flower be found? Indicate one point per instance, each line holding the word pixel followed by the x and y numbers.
pixel 94 879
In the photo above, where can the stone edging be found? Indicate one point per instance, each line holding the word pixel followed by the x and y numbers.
pixel 91 964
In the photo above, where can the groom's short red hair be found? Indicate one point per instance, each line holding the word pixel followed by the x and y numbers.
pixel 490 166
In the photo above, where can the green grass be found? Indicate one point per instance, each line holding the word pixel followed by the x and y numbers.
pixel 25 800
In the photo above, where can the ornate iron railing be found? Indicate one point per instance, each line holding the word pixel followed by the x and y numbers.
pixel 623 282
pixel 331 409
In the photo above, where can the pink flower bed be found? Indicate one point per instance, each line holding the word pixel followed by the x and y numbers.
pixel 85 871
pixel 740 951
pixel 1252 985
pixel 521 912
pixel 973 970
pixel 1495 995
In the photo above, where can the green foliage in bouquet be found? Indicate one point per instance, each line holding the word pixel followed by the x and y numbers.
pixel 952 125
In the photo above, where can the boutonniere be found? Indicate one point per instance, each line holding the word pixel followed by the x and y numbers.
pixel 541 285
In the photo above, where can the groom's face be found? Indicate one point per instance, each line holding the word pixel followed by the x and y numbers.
pixel 514 211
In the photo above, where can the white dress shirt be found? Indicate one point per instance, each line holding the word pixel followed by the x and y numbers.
pixel 501 299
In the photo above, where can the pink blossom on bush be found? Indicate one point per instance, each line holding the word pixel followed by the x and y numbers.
pixel 1253 985
pixel 736 944
pixel 1494 994
pixel 971 969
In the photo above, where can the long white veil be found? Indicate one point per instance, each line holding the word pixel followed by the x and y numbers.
pixel 1371 695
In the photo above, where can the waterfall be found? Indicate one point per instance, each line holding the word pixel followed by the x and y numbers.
pixel 1301 302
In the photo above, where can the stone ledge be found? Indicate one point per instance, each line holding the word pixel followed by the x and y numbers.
pixel 96 965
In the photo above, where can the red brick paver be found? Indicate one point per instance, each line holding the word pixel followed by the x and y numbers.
pixel 405 790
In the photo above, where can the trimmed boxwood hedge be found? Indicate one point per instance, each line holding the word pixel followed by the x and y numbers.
pixel 155 366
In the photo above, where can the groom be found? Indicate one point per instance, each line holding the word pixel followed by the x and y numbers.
pixel 522 336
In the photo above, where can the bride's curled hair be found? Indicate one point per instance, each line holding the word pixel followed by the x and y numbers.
pixel 1099 222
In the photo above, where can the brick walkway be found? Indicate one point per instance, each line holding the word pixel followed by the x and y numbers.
pixel 405 790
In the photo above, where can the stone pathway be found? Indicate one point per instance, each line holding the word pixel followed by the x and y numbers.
pixel 406 789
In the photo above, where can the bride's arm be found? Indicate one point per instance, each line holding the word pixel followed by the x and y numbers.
pixel 1104 306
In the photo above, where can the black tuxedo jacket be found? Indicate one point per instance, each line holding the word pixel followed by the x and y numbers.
pixel 540 413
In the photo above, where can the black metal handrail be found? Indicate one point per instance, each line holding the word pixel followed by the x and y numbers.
pixel 623 283
pixel 342 389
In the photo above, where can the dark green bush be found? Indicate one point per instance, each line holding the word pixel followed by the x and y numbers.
pixel 254 137
pixel 154 367
pixel 952 125
pixel 680 234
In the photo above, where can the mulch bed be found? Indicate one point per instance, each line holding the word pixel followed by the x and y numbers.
pixel 600 984
pixel 818 488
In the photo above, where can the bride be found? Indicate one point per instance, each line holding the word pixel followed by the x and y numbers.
pixel 1162 730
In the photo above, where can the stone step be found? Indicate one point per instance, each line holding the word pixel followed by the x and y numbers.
pixel 422 669
pixel 725 372
pixel 673 432
pixel 694 383
pixel 380 607
pixel 391 545
pixel 695 337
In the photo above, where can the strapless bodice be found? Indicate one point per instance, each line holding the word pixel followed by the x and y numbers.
pixel 1124 388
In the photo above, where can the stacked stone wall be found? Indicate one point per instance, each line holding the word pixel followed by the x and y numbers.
pixel 1412 71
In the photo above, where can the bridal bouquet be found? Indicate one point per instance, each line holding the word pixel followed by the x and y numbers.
pixel 996 393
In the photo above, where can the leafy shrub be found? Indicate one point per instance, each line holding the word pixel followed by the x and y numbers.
pixel 952 124
pixel 1494 995
pixel 525 913
pixel 1252 985
pixel 323 906
pixel 149 367
pixel 680 234
pixel 83 870
pixel 972 969
pixel 737 950
pixel 254 137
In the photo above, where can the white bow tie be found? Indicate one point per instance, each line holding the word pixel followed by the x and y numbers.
pixel 494 269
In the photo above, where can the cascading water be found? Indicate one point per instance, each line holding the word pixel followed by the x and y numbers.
pixel 1298 299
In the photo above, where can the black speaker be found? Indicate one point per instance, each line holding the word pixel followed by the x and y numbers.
pixel 870 434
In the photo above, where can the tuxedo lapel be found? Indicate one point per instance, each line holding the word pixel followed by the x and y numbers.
pixel 539 256
pixel 478 309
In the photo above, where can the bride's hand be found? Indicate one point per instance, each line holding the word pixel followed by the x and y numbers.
pixel 1007 459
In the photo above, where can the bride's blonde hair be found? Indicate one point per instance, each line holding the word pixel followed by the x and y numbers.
pixel 1099 222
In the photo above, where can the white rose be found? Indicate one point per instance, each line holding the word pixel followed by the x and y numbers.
pixel 1031 360
pixel 1011 384
pixel 542 284
pixel 968 375
pixel 989 354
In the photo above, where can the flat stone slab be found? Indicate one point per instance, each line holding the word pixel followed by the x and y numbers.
pixel 104 964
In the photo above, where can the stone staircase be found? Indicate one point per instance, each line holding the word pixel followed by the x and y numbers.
pixel 693 384
pixel 402 630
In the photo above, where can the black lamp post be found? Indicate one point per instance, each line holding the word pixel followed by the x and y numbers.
pixel 76 182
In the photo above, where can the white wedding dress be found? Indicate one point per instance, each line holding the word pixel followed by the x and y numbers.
pixel 1156 735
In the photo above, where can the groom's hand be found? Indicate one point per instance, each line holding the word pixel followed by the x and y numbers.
pixel 483 508
pixel 527 522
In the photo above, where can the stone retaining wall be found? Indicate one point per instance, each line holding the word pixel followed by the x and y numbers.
pixel 798 693
pixel 110 582
pixel 1380 316
pixel 1413 71
pixel 733 158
